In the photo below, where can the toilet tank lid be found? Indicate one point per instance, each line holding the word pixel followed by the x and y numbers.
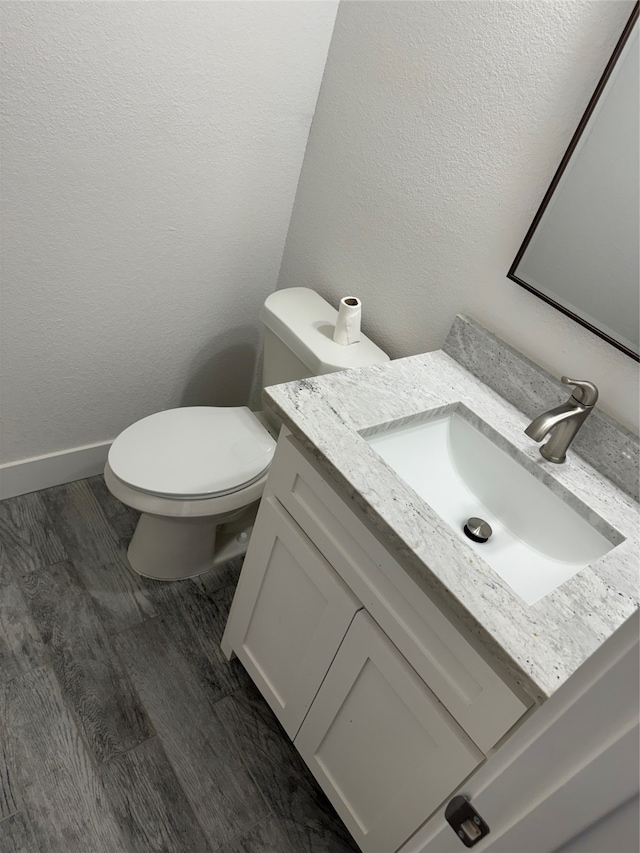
pixel 304 322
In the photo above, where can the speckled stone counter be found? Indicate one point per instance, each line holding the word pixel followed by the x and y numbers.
pixel 542 644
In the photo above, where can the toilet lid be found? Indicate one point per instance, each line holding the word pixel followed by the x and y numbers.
pixel 199 451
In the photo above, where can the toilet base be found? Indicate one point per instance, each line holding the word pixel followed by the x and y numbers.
pixel 168 548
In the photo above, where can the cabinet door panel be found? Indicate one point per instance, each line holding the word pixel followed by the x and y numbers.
pixel 290 614
pixel 380 744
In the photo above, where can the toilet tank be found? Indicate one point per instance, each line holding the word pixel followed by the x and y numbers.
pixel 298 340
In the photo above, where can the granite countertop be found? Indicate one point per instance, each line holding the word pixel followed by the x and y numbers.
pixel 542 644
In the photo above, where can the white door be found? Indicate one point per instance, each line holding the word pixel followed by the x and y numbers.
pixel 289 615
pixel 379 743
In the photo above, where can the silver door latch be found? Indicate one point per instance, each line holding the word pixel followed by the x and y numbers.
pixel 465 821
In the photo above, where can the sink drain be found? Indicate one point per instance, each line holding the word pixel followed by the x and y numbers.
pixel 477 529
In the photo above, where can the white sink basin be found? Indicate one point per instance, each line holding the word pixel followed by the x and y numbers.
pixel 538 540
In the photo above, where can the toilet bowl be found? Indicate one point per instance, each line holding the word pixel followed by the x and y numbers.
pixel 196 474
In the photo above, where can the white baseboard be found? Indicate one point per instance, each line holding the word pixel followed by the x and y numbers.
pixel 40 472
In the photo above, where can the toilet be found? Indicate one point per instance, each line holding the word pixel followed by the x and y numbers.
pixel 197 473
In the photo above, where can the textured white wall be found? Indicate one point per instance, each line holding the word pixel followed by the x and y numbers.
pixel 151 153
pixel 438 129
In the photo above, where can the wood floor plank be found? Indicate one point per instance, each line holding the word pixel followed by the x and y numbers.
pixel 63 797
pixel 265 837
pixel 28 540
pixel 306 816
pixel 93 681
pixel 98 556
pixel 21 647
pixel 209 769
pixel 197 621
pixel 135 801
pixel 152 810
pixel 15 836
pixel 121 517
pixel 9 796
pixel 225 575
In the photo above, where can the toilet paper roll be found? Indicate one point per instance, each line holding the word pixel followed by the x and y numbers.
pixel 347 330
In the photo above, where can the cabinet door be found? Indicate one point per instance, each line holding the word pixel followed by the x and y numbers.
pixel 289 615
pixel 382 747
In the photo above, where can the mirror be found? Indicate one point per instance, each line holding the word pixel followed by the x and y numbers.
pixel 582 249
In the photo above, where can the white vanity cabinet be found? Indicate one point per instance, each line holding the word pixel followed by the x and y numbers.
pixel 388 703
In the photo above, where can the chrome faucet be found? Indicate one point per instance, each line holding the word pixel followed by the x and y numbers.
pixel 564 421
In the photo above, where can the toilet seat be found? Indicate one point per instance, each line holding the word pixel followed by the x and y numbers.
pixel 193 453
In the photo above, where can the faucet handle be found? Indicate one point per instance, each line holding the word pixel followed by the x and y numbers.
pixel 585 392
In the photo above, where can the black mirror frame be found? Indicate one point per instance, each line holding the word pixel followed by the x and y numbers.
pixel 554 183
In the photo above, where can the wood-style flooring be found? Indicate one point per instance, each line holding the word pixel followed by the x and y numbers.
pixel 123 729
